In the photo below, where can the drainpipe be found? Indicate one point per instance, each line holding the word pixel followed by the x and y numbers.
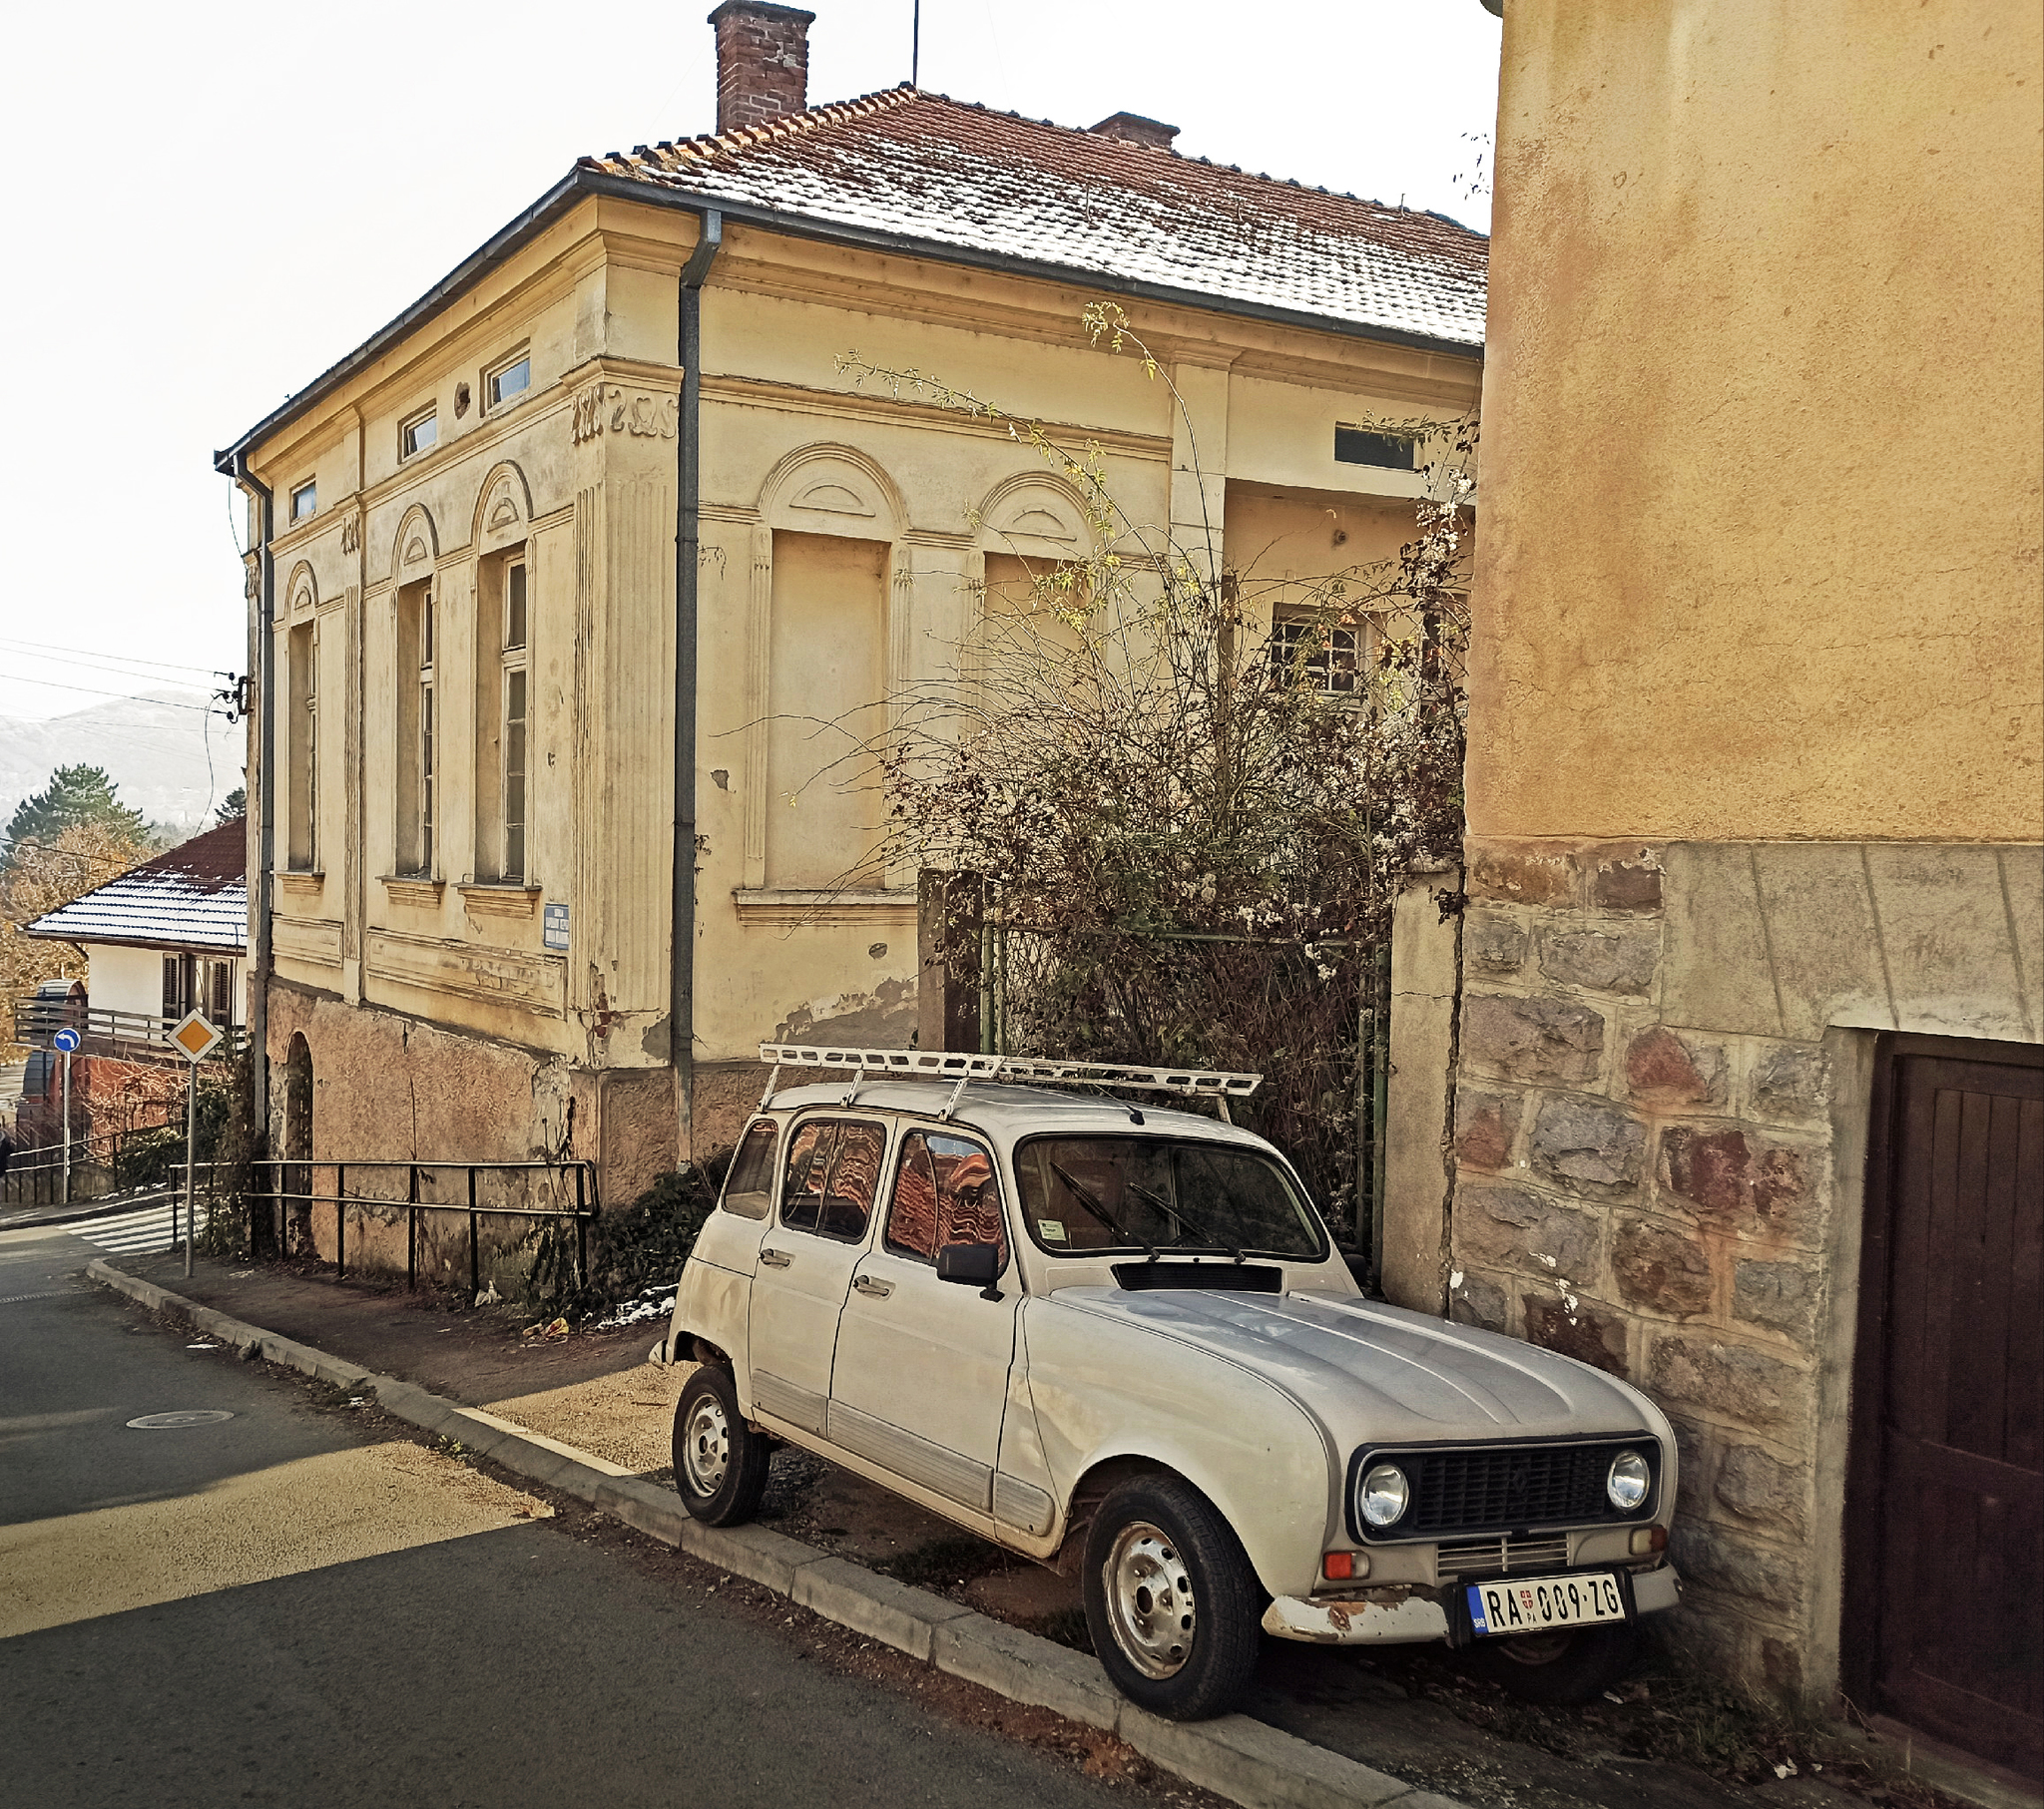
pixel 261 665
pixel 689 490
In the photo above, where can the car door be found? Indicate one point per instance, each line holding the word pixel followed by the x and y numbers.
pixel 831 1174
pixel 921 1375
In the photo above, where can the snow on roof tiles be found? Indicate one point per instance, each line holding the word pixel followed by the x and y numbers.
pixel 930 168
pixel 196 896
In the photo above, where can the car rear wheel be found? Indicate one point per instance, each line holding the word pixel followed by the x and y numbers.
pixel 719 1463
pixel 1557 1669
pixel 1170 1601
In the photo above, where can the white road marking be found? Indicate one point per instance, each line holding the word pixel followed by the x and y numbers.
pixel 139 1234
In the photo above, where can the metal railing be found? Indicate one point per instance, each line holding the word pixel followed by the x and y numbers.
pixel 282 1172
pixel 35 1176
pixel 130 1036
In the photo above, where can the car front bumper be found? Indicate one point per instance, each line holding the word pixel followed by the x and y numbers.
pixel 1410 1617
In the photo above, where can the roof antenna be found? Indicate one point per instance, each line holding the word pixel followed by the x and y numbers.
pixel 916 48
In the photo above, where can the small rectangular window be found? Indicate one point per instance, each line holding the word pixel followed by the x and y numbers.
pixel 506 381
pixel 514 608
pixel 305 501
pixel 421 431
pixel 1390 451
pixel 1315 657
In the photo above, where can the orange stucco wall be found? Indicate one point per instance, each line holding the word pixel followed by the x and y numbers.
pixel 1759 551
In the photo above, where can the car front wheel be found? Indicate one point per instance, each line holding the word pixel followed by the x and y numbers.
pixel 720 1461
pixel 1170 1601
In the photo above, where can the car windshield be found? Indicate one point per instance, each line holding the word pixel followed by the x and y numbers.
pixel 1086 1194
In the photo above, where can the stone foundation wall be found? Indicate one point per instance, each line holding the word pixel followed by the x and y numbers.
pixel 1658 1131
pixel 389 1087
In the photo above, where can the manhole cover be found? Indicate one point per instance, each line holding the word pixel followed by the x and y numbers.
pixel 190 1416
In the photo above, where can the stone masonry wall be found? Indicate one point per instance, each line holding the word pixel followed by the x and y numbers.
pixel 1653 1199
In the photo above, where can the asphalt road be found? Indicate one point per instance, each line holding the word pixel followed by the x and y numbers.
pixel 280 1607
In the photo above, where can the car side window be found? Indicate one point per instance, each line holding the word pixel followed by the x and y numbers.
pixel 748 1188
pixel 945 1193
pixel 834 1172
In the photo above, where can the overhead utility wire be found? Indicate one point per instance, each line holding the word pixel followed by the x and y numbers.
pixel 95 652
pixel 107 672
pixel 124 695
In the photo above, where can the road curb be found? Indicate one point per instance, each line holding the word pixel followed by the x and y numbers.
pixel 1244 1760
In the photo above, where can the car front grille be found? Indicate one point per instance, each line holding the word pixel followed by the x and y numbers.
pixel 1499 1558
pixel 1504 1488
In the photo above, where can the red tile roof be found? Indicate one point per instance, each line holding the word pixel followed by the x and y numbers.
pixel 927 169
pixel 195 896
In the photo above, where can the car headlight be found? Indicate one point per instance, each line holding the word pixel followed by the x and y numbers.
pixel 1629 1481
pixel 1383 1495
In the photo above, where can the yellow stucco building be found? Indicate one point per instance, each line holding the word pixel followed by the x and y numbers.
pixel 1750 987
pixel 595 555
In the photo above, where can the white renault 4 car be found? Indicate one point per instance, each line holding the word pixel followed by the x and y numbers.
pixel 1120 1341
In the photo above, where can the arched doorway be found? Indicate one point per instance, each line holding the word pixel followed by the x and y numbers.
pixel 295 1208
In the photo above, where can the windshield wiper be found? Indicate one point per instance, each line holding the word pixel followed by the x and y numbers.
pixel 1178 1218
pixel 1098 1208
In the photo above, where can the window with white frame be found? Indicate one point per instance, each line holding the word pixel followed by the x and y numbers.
pixel 305 501
pixel 514 695
pixel 1317 655
pixel 502 710
pixel 418 728
pixel 417 432
pixel 301 850
pixel 511 378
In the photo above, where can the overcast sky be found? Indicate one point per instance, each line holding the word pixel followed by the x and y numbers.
pixel 214 202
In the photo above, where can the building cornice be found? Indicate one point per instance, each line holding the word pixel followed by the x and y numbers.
pixel 584 184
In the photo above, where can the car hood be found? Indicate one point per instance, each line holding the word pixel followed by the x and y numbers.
pixel 1373 1373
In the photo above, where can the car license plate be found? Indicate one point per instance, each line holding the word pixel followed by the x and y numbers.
pixel 1539 1604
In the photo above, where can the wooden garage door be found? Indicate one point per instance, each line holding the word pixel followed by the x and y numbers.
pixel 1948 1544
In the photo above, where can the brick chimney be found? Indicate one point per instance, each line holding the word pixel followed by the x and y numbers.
pixel 763 62
pixel 1134 127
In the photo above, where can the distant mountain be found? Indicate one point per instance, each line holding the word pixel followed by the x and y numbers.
pixel 153 747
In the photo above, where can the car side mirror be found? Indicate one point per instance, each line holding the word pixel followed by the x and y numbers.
pixel 973 1264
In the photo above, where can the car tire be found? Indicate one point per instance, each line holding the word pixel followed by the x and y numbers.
pixel 1556 1669
pixel 1170 1601
pixel 720 1461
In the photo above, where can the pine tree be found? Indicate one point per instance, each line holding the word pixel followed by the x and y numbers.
pixel 231 808
pixel 75 795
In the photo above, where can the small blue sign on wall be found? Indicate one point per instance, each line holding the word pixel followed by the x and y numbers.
pixel 554 926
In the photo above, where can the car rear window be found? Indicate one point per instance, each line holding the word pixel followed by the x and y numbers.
pixel 748 1188
pixel 1086 1194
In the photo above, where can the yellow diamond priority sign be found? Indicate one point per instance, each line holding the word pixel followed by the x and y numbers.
pixel 195 1036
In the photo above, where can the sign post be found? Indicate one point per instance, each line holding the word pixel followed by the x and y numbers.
pixel 66 1040
pixel 196 1039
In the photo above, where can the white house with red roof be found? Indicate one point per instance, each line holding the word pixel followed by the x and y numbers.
pixel 163 938
pixel 574 584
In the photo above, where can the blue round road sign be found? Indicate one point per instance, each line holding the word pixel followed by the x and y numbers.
pixel 66 1040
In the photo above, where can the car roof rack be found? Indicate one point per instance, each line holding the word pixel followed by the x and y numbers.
pixel 962 1069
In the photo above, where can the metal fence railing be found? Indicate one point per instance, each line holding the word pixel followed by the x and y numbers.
pixel 129 1036
pixel 101 1163
pixel 283 1184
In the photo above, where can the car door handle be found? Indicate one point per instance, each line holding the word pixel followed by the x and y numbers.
pixel 872 1285
pixel 775 1259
